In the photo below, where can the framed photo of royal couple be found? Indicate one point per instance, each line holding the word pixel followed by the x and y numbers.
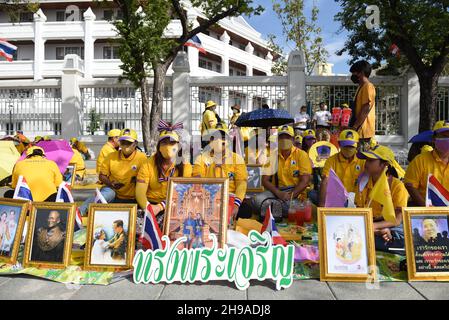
pixel 346 241
pixel 111 236
pixel 196 208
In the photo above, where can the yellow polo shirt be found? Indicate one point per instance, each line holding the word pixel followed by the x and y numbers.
pixel 424 164
pixel 107 149
pixel 366 94
pixel 123 170
pixel 347 170
pixel 77 159
pixel 81 147
pixel 157 190
pixel 234 168
pixel 42 176
pixel 399 195
pixel 208 116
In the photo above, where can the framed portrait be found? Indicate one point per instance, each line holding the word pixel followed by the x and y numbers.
pixel 197 207
pixel 12 221
pixel 69 174
pixel 346 241
pixel 50 235
pixel 111 236
pixel 254 178
pixel 427 243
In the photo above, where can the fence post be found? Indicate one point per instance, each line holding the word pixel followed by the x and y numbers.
pixel 39 19
pixel 71 110
pixel 410 106
pixel 296 82
pixel 181 91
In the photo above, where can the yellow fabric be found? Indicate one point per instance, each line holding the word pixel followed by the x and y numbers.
pixel 107 149
pixel 81 147
pixel 244 131
pixel 398 196
pixel 246 225
pixel 286 130
pixel 349 135
pixel 209 121
pixel 79 161
pixel 31 150
pixel 123 170
pixel 309 134
pixel 42 175
pixel 233 168
pixel 157 191
pixel 347 170
pixel 442 125
pixel 114 133
pixel 20 148
pixel 424 164
pixel 128 135
pixel 317 161
pixel 366 94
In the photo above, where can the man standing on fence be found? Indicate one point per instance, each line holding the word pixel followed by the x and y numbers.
pixel 364 105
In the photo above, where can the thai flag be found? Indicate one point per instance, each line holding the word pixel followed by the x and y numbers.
pixel 269 225
pixel 151 236
pixel 436 195
pixel 22 191
pixel 65 195
pixel 7 49
pixel 196 43
pixel 99 197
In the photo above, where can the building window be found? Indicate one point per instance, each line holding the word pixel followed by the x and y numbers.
pixel 12 127
pixel 61 52
pixel 108 14
pixel 218 68
pixel 110 52
pixel 109 125
pixel 70 15
pixel 57 128
pixel 26 17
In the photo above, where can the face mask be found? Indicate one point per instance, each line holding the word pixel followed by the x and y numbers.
pixel 217 146
pixel 348 152
pixel 169 151
pixel 285 144
pixel 127 151
pixel 355 79
pixel 442 145
pixel 234 111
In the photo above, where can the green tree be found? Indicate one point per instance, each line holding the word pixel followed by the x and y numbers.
pixel 145 52
pixel 94 121
pixel 302 31
pixel 418 28
pixel 279 67
pixel 13 8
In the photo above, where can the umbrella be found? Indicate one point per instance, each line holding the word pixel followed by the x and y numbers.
pixel 425 136
pixel 57 150
pixel 263 118
pixel 8 158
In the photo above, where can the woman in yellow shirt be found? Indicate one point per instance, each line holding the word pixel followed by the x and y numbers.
pixel 152 179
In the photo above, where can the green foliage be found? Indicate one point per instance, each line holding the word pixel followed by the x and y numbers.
pixel 94 121
pixel 279 67
pixel 13 8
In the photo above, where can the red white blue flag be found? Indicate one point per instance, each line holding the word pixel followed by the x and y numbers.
pixel 99 197
pixel 436 195
pixel 269 225
pixel 151 236
pixel 22 191
pixel 7 49
pixel 65 195
pixel 196 43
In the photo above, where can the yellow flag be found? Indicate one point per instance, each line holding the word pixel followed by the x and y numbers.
pixel 382 194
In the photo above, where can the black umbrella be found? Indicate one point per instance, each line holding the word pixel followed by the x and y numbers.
pixel 263 118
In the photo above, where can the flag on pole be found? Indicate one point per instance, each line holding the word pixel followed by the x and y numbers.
pixel 382 194
pixel 195 42
pixel 336 194
pixel 65 195
pixel 99 197
pixel 269 225
pixel 22 191
pixel 151 236
pixel 7 49
pixel 436 195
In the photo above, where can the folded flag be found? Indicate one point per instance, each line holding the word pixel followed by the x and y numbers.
pixel 7 49
pixel 336 194
pixel 151 236
pixel 99 197
pixel 436 195
pixel 195 42
pixel 381 193
pixel 269 225
pixel 65 195
pixel 22 191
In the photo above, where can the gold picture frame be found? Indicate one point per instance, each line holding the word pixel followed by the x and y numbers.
pixel 260 169
pixel 410 228
pixel 172 204
pixel 131 210
pixel 20 224
pixel 70 209
pixel 73 177
pixel 343 253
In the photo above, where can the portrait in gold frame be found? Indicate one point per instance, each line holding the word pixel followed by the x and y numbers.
pixel 72 168
pixel 213 215
pixel 259 187
pixel 112 209
pixel 341 243
pixel 21 215
pixel 48 207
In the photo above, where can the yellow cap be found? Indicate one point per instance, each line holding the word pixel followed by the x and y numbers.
pixel 47 138
pixel 286 130
pixel 441 126
pixel 128 135
pixel 31 150
pixel 172 135
pixel 210 103
pixel 348 138
pixel 345 105
pixel 73 140
pixel 114 133
pixel 309 134
pixel 379 152
pixel 426 148
pixel 38 138
pixel 298 138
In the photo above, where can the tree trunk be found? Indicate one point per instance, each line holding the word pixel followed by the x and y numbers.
pixel 427 101
pixel 146 131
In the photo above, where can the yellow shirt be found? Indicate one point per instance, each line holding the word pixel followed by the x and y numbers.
pixel 81 147
pixel 423 165
pixel 104 152
pixel 233 168
pixel 366 94
pixel 291 169
pixel 123 170
pixel 399 195
pixel 157 190
pixel 42 176
pixel 79 161
pixel 209 121
pixel 347 171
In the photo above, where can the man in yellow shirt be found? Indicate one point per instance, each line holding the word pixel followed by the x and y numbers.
pixel 388 234
pixel 434 162
pixel 119 172
pixel 210 118
pixel 109 147
pixel 81 147
pixel 290 177
pixel 42 175
pixel 346 165
pixel 78 160
pixel 364 102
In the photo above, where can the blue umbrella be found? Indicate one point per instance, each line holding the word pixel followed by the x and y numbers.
pixel 263 118
pixel 425 136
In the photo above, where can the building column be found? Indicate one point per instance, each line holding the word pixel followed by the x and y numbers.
pixel 181 91
pixel 410 107
pixel 269 58
pixel 296 82
pixel 249 67
pixel 89 18
pixel 225 38
pixel 39 43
